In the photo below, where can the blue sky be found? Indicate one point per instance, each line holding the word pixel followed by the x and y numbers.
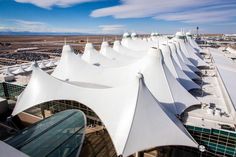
pixel 118 16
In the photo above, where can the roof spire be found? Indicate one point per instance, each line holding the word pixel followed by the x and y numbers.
pixel 140 75
pixel 65 41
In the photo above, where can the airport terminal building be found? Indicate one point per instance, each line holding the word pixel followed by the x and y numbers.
pixel 150 96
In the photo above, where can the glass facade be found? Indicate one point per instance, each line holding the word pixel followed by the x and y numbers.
pixel 61 105
pixel 2 93
pixel 10 91
pixel 218 142
pixel 60 135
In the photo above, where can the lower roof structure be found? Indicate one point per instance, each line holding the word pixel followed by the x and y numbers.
pixel 227 71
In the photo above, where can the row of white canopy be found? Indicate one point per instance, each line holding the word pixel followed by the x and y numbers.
pixel 135 91
pixel 231 50
pixel 21 69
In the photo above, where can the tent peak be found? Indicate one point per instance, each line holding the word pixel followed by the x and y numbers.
pixel 116 42
pixel 104 44
pixel 8 72
pixel 88 45
pixel 179 34
pixel 65 41
pixel 126 35
pixel 35 63
pixel 67 48
pixel 154 51
pixel 140 75
pixel 166 48
pixel 133 35
pixel 35 66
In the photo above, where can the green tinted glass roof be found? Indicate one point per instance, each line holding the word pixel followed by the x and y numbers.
pixel 60 135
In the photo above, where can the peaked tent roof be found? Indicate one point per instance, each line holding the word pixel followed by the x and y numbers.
pixel 112 54
pixel 184 80
pixel 192 41
pixel 136 45
pixel 152 66
pixel 92 56
pixel 193 57
pixel 185 59
pixel 181 63
pixel 231 50
pixel 19 70
pixel 123 50
pixel 50 64
pixel 190 48
pixel 8 72
pixel 42 65
pixel 30 67
pixel 140 122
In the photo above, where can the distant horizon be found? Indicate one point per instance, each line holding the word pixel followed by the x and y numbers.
pixel 25 33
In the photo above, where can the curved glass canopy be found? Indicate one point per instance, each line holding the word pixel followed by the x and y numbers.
pixel 60 135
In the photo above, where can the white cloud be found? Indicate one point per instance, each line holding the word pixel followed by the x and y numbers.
pixel 112 28
pixel 50 3
pixel 2 28
pixel 221 13
pixel 169 10
pixel 18 25
pixel 198 17
pixel 29 26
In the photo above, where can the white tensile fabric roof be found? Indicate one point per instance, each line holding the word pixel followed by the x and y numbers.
pixel 158 77
pixel 231 50
pixel 189 53
pixel 180 62
pixel 92 56
pixel 139 122
pixel 185 59
pixel 123 50
pixel 19 70
pixel 113 55
pixel 136 45
pixel 50 64
pixel 30 67
pixel 42 65
pixel 8 72
pixel 192 42
pixel 184 80
pixel 190 48
pixel 188 56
